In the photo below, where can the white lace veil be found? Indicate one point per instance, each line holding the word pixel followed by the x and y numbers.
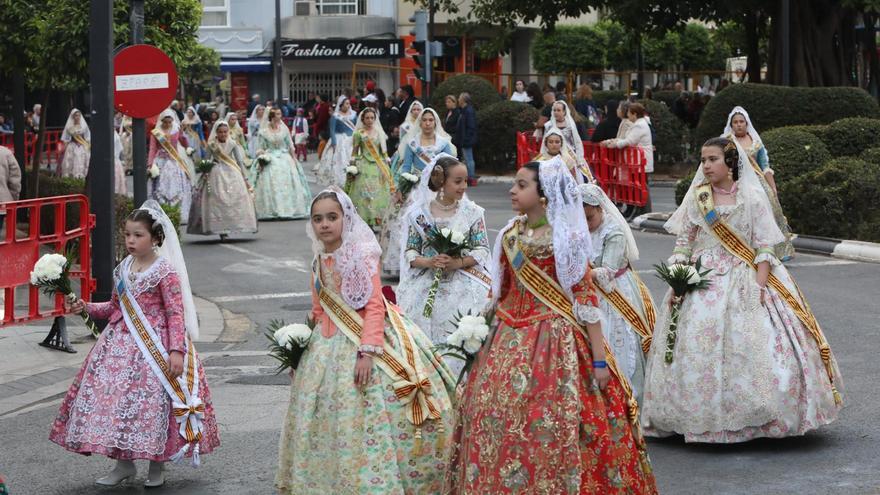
pixel 749 189
pixel 195 119
pixel 554 131
pixel 578 145
pixel 218 123
pixel 253 119
pixel 357 259
pixel 237 123
pixel 415 131
pixel 593 195
pixel 171 251
pixel 377 127
pixel 265 127
pixel 728 128
pixel 66 134
pixel 339 115
pixel 175 124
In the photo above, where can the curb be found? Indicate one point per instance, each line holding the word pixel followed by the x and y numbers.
pixel 838 248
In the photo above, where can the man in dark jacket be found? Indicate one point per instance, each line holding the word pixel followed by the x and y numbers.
pixel 466 135
pixel 322 120
pixel 406 95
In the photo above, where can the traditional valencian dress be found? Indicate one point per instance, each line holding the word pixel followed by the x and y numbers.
pixel 415 157
pixel 174 184
pixel 281 188
pixel 77 147
pixel 761 163
pixel 390 437
pixel 371 188
pixel 578 167
pixel 741 369
pixel 572 145
pixel 532 419
pixel 331 169
pixel 117 405
pixel 222 204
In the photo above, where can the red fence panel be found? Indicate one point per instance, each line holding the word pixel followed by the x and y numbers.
pixel 59 222
pixel 50 145
pixel 619 172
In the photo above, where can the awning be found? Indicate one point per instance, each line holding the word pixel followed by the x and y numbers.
pixel 246 65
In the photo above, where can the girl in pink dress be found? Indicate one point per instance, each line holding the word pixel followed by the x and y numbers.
pixel 119 405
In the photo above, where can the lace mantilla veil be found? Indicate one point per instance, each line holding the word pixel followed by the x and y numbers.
pixel 593 195
pixel 170 250
pixel 357 259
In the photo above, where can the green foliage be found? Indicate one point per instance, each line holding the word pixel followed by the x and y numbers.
pixel 482 92
pixel 52 185
pixel 670 133
pixel 682 186
pixel 497 126
pixel 667 97
pixel 851 136
pixel 663 52
pixel 793 153
pixel 570 49
pixel 601 97
pixel 697 49
pixel 838 200
pixel 872 156
pixel 621 47
pixel 777 106
pixel 124 206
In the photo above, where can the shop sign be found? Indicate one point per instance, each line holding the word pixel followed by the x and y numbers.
pixel 341 49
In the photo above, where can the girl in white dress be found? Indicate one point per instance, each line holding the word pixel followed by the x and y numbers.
pixel 331 168
pixel 562 120
pixel 77 143
pixel 440 202
pixel 253 128
pixel 749 359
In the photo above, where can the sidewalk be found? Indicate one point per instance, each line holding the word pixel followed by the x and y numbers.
pixel 31 374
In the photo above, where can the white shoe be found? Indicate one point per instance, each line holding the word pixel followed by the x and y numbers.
pixel 156 476
pixel 124 470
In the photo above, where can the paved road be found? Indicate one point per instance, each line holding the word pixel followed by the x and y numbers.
pixel 264 277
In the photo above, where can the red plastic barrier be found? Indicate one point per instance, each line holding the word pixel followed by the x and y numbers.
pixel 20 253
pixel 50 145
pixel 619 172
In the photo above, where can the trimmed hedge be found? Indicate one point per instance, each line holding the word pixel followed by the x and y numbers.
pixel 497 126
pixel 851 136
pixel 482 92
pixel 778 106
pixel 682 186
pixel 670 132
pixel 838 200
pixel 601 97
pixel 871 155
pixel 794 152
pixel 667 97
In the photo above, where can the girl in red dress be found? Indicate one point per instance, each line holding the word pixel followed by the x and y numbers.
pixel 544 409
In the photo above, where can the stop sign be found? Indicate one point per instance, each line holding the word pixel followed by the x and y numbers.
pixel 144 81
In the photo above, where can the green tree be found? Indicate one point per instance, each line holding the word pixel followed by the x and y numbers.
pixel 696 48
pixel 204 64
pixel 621 51
pixel 570 49
pixel 663 52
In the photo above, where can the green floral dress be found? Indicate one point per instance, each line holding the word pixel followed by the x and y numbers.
pixel 370 190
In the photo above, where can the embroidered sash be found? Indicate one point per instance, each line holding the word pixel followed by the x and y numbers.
pixel 81 140
pixel 171 150
pixel 186 406
pixel 741 249
pixel 550 293
pixel 380 162
pixel 642 326
pixel 421 156
pixel 347 122
pixel 409 380
pixel 221 156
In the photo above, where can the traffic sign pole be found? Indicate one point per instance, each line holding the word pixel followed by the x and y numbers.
pixel 138 126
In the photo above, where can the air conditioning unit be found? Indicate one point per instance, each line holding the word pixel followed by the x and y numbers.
pixel 302 8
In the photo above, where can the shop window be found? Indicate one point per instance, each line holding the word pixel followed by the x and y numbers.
pixel 300 84
pixel 215 13
pixel 341 7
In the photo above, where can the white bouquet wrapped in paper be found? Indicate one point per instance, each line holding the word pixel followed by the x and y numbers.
pixel 467 339
pixel 287 342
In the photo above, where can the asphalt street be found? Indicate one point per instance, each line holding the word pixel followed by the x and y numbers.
pixel 255 279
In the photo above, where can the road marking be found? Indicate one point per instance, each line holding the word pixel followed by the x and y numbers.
pixel 247 251
pixel 259 297
pixel 797 264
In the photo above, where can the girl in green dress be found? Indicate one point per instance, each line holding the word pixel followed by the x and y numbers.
pixel 369 182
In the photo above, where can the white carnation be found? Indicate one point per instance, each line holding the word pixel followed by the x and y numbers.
pixel 410 177
pixel 351 170
pixel 154 171
pixel 472 345
pixel 445 232
pixel 455 339
pixel 48 267
pixel 457 237
pixel 190 151
pixel 693 276
pixel 297 333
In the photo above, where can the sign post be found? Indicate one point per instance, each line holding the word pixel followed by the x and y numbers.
pixel 144 84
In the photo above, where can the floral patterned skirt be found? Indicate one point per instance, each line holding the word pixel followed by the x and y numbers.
pixel 117 407
pixel 533 421
pixel 339 440
pixel 370 192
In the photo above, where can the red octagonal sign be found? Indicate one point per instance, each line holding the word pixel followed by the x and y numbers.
pixel 144 81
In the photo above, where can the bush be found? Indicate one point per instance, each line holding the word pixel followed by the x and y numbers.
pixel 482 92
pixel 778 106
pixel 851 136
pixel 601 97
pixel 794 152
pixel 872 156
pixel 667 97
pixel 670 133
pixel 52 185
pixel 837 200
pixel 570 49
pixel 497 126
pixel 682 186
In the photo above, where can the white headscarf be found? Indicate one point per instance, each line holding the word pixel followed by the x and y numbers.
pixel 728 128
pixel 410 122
pixel 253 119
pixel 415 131
pixel 377 127
pixel 357 259
pixel 749 188
pixel 195 119
pixel 171 251
pixel 593 195
pixel 569 124
pixel 237 123
pixel 218 123
pixel 175 125
pixel 347 115
pixel 572 247
pixel 266 128
pixel 70 127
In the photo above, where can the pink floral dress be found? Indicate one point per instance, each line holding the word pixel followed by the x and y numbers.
pixel 116 406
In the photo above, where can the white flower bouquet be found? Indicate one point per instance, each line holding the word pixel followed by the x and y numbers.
pixel 682 279
pixel 264 158
pixel 154 171
pixel 52 275
pixel 351 170
pixel 287 342
pixel 451 243
pixel 190 151
pixel 406 183
pixel 467 339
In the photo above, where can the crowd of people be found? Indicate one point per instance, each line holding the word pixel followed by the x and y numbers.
pixel 577 364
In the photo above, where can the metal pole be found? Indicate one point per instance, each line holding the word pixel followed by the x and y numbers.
pixel 279 69
pixel 101 164
pixel 138 126
pixel 786 42
pixel 18 127
pixel 428 55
